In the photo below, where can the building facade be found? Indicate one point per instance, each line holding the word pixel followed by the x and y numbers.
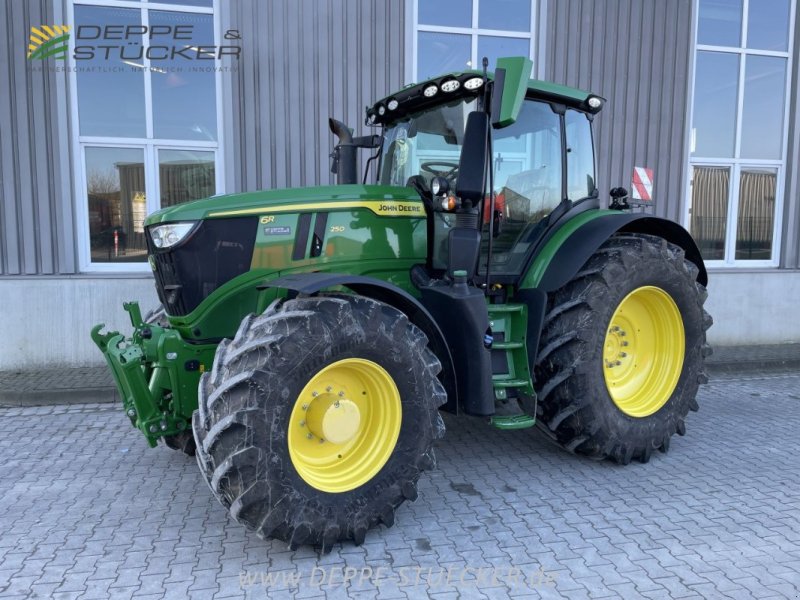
pixel 102 122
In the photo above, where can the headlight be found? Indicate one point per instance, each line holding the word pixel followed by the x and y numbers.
pixel 439 186
pixel 169 234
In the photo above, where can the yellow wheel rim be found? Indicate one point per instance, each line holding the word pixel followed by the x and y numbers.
pixel 344 425
pixel 643 351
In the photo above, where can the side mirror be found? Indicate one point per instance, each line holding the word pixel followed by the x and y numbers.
pixel 472 164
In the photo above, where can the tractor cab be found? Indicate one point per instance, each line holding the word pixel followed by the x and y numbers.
pixel 508 178
pixel 497 159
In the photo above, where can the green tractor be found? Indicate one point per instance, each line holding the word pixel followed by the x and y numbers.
pixel 308 338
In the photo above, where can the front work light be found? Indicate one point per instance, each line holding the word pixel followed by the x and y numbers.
pixel 594 102
pixel 451 86
pixel 169 234
pixel 430 91
pixel 473 83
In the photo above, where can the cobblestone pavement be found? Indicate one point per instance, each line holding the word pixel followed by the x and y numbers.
pixel 88 511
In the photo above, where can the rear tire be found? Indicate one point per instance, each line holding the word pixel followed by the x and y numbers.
pixel 576 409
pixel 250 400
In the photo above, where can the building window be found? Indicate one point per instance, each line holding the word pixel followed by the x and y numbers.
pixel 737 161
pixel 455 35
pixel 145 120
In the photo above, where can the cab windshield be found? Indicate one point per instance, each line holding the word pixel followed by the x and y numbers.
pixel 425 144
pixel 526 159
pixel 526 155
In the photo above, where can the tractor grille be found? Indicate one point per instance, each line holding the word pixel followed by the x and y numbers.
pixel 215 252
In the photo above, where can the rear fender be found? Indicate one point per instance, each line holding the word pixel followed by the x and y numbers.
pixel 561 257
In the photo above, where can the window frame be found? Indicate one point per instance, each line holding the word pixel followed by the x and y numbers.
pixel 736 163
pixel 532 35
pixel 149 144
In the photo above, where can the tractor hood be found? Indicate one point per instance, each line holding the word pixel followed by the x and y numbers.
pixel 380 199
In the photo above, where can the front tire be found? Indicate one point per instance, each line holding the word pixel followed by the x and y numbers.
pixel 318 418
pixel 622 351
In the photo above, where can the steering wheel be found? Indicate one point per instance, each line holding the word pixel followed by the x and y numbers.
pixel 449 173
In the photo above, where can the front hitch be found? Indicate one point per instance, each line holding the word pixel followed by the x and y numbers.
pixel 156 373
pixel 135 313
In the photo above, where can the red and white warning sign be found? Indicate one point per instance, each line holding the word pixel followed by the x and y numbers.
pixel 642 184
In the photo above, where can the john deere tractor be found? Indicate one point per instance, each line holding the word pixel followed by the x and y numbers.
pixel 308 338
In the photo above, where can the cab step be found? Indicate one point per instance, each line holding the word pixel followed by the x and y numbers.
pixel 512 421
pixel 507 345
pixel 506 308
pixel 509 325
pixel 498 382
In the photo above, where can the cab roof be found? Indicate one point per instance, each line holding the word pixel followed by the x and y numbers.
pixel 413 98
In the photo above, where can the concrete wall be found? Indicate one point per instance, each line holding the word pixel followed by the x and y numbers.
pixel 46 320
pixel 753 307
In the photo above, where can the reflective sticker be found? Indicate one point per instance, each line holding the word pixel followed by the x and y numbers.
pixel 642 184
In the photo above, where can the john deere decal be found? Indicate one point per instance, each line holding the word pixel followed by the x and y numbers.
pixel 48 40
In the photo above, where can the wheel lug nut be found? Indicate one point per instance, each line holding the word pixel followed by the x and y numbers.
pixel 321 441
pixel 336 404
pixel 618 363
pixel 305 406
pixel 624 343
pixel 302 423
pixel 328 389
pixel 310 436
pixel 341 394
pixel 314 394
pixel 623 354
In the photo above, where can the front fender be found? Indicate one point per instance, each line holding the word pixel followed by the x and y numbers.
pixel 311 283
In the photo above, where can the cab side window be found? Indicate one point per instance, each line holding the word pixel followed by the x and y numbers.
pixel 580 156
pixel 526 157
pixel 527 162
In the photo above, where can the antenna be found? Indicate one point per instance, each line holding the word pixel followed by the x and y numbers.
pixel 482 103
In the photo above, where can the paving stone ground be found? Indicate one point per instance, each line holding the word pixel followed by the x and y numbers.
pixel 88 511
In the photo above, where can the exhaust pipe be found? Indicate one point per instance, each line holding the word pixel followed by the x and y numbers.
pixel 343 162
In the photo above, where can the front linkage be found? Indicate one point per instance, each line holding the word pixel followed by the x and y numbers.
pixel 156 373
